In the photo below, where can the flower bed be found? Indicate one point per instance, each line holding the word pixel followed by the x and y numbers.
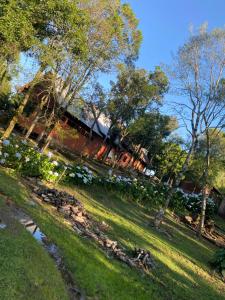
pixel 192 202
pixel 28 161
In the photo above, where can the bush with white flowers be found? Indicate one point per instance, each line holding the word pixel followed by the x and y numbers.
pixel 132 188
pixel 192 202
pixel 18 155
pixel 28 161
pixel 80 175
pixel 11 154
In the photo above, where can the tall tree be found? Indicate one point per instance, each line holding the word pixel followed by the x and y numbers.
pixel 150 130
pixel 168 161
pixel 61 27
pixel 112 37
pixel 198 71
pixel 134 93
pixel 217 157
pixel 96 106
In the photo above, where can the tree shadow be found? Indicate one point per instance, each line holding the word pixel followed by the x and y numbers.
pixel 184 242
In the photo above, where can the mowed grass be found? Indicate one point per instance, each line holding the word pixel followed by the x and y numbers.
pixel 26 271
pixel 182 271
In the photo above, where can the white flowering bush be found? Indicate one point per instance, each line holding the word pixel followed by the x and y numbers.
pixel 133 188
pixel 192 202
pixel 28 161
pixel 80 175
pixel 11 154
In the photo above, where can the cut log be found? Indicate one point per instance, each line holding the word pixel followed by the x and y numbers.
pixel 80 220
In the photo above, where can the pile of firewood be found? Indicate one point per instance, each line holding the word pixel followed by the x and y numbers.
pixel 144 259
pixel 83 224
pixel 66 204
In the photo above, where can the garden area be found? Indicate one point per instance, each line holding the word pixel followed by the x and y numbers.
pixel 112 152
pixel 182 264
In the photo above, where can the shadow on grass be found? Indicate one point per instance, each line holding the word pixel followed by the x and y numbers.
pixel 106 278
pixel 182 237
pixel 183 244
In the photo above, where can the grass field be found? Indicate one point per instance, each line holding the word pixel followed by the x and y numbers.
pixel 182 271
pixel 26 270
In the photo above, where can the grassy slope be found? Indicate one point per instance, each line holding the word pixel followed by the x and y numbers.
pixel 26 271
pixel 182 271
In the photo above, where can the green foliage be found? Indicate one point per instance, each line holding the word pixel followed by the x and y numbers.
pixel 134 92
pixel 9 103
pixel 169 160
pixel 112 34
pixel 16 29
pixel 26 160
pixel 137 190
pixel 26 23
pixel 5 86
pixel 218 261
pixel 192 202
pixel 149 130
pixel 217 161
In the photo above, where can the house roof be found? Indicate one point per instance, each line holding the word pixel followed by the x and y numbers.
pixel 101 126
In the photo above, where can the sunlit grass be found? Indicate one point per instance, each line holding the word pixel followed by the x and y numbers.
pixel 182 270
pixel 26 270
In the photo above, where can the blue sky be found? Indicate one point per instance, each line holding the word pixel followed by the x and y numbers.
pixel 165 24
pixel 165 27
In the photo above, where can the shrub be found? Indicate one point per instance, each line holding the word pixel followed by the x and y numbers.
pixel 133 189
pixel 192 202
pixel 218 262
pixel 19 156
pixel 79 175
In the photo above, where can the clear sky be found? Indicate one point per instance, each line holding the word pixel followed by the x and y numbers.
pixel 165 27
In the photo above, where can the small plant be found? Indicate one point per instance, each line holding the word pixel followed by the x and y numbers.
pixel 218 262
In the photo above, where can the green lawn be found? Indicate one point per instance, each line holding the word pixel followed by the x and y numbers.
pixel 182 270
pixel 26 271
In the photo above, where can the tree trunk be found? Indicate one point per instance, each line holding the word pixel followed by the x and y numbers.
pixel 37 114
pixel 203 210
pixel 44 143
pixel 40 137
pixel 117 159
pixel 49 125
pixel 34 123
pixel 106 154
pixel 15 118
pixel 205 185
pixel 20 109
